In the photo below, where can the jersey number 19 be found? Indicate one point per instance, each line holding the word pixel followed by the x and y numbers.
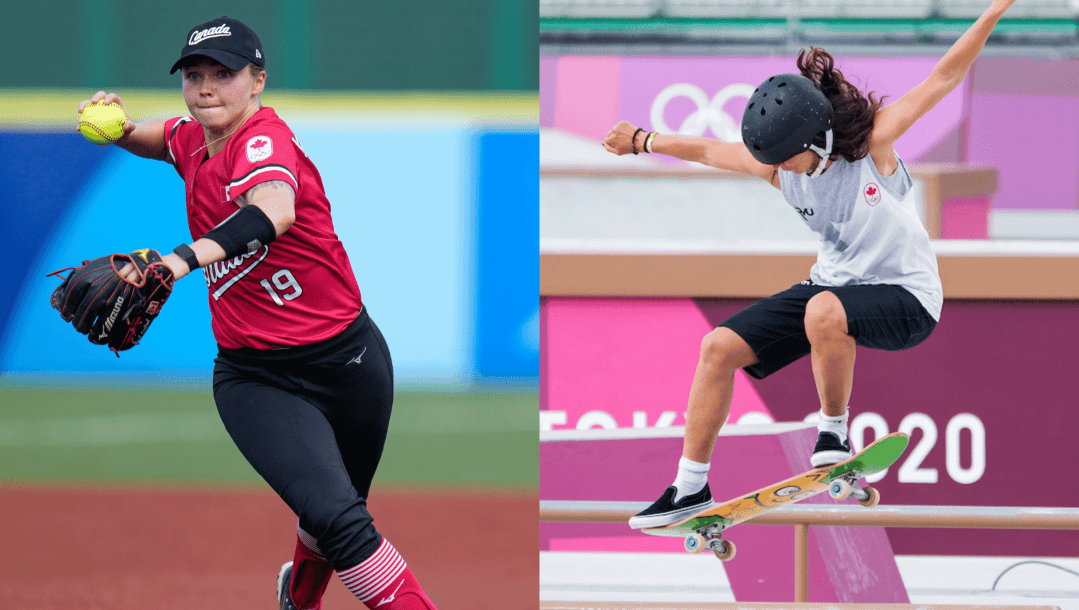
pixel 284 281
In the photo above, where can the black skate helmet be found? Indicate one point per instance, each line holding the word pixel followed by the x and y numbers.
pixel 784 115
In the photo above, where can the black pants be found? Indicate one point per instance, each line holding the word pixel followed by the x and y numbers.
pixel 312 420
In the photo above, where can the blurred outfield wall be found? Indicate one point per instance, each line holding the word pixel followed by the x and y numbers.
pixel 435 197
pixel 430 45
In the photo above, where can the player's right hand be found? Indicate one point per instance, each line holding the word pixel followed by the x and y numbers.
pixel 619 140
pixel 107 98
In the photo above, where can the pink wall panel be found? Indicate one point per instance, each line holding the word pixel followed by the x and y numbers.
pixel 647 350
pixel 1034 141
pixel 586 102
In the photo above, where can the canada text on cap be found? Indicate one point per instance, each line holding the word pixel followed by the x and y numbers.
pixel 225 40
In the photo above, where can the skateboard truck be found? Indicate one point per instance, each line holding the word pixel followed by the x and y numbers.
pixel 846 486
pixel 710 537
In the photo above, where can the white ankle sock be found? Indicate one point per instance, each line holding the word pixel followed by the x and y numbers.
pixel 836 425
pixel 692 477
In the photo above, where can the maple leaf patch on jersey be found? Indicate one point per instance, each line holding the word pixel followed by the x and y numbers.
pixel 872 193
pixel 259 148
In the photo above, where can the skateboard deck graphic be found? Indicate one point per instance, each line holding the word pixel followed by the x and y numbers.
pixel 840 480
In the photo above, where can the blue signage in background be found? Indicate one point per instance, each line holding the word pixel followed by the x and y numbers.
pixel 404 218
pixel 124 204
pixel 445 249
pixel 42 173
pixel 507 257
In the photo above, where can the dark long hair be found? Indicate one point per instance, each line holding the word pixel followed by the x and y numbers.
pixel 854 111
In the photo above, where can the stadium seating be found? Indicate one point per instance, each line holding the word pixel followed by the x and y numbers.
pixel 874 9
pixel 616 9
pixel 802 9
pixel 1022 9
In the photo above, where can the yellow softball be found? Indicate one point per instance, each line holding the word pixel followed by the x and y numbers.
pixel 102 123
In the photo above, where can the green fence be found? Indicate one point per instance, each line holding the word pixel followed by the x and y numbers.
pixel 465 45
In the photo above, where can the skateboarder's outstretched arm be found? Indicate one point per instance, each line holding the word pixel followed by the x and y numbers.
pixel 896 118
pixel 625 138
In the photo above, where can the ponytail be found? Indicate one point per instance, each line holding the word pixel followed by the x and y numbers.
pixel 854 112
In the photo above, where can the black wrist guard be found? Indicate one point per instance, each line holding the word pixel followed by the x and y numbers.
pixel 245 231
pixel 185 252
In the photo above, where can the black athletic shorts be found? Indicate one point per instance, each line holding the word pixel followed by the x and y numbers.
pixel 879 316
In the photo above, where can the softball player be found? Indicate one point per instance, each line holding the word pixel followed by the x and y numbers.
pixel 830 150
pixel 303 379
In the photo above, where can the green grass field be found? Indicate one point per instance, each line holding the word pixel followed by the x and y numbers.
pixel 477 440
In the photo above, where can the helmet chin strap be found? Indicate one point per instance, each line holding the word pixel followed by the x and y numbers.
pixel 823 153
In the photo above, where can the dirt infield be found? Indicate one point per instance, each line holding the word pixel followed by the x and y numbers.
pixel 162 549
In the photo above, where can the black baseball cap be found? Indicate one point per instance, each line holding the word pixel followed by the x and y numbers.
pixel 224 40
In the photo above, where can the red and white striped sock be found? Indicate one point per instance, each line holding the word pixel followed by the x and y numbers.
pixel 384 582
pixel 310 573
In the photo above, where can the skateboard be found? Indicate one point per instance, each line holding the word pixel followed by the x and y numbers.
pixel 703 531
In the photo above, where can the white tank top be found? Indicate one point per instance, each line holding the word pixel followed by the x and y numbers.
pixel 869 227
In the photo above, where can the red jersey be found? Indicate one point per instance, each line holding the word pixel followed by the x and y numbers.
pixel 297 290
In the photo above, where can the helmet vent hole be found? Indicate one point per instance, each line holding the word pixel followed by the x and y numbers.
pixel 779 102
pixel 765 94
pixel 756 147
pixel 751 106
pixel 782 84
pixel 771 79
pixel 762 111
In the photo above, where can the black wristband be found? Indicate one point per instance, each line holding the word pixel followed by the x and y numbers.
pixel 245 231
pixel 633 140
pixel 185 252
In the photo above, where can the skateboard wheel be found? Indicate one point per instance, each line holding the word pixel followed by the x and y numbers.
pixel 872 500
pixel 727 550
pixel 694 543
pixel 839 489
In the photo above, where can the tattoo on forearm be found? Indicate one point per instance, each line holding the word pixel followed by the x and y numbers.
pixel 277 185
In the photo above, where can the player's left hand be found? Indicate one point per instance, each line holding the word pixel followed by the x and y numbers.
pixel 176 265
pixel 113 299
pixel 619 139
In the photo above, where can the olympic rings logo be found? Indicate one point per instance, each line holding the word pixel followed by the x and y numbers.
pixel 708 115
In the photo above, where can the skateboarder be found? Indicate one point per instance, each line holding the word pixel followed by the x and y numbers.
pixel 830 149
